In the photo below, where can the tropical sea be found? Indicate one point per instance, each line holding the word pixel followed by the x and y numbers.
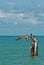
pixel 17 52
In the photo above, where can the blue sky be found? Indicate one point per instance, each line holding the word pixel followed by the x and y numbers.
pixel 19 17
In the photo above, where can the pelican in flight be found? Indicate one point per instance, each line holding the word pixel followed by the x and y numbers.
pixel 23 37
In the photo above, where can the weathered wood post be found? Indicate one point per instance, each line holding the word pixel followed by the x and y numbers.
pixel 34 49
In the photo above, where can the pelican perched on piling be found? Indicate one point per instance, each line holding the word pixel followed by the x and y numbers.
pixel 34 46
pixel 23 37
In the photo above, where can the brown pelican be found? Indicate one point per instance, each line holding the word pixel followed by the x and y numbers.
pixel 23 37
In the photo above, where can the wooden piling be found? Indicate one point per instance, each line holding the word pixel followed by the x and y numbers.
pixel 34 49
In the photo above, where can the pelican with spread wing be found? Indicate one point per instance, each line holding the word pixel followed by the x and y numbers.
pixel 23 37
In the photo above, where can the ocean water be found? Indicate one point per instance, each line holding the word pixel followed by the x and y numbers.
pixel 17 52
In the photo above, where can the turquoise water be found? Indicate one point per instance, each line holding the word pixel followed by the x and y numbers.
pixel 14 52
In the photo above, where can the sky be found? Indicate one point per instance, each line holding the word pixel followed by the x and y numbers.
pixel 20 17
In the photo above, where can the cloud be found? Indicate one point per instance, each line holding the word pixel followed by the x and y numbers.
pixel 38 5
pixel 11 4
pixel 41 14
pixel 2 14
pixel 33 20
pixel 16 18
pixel 11 17
pixel 12 10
